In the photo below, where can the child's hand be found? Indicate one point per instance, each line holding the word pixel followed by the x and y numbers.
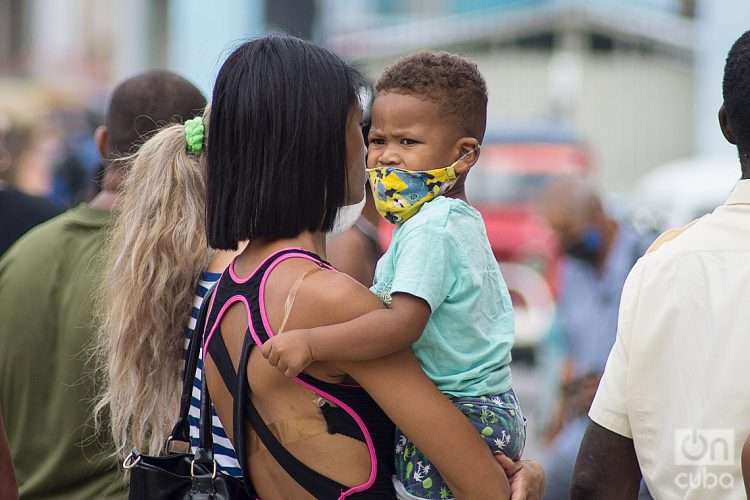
pixel 290 352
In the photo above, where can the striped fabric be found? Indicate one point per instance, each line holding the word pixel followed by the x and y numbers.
pixel 223 450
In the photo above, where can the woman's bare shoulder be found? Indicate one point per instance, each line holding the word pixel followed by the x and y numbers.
pixel 336 297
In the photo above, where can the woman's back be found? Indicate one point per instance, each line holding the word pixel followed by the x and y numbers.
pixel 285 157
pixel 317 434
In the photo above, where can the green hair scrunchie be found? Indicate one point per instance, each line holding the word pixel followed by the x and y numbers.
pixel 194 134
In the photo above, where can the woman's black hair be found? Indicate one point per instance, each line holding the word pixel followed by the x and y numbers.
pixel 276 149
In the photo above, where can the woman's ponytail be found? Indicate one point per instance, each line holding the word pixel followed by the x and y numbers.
pixel 155 255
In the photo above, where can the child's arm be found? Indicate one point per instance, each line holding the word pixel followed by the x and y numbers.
pixel 427 260
pixel 371 336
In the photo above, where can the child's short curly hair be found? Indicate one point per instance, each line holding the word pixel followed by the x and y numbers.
pixel 451 81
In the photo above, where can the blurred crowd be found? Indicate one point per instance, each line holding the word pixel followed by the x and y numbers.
pixel 61 161
pixel 48 158
pixel 50 163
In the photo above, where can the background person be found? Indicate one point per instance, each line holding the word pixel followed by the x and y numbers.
pixel 47 286
pixel 158 269
pixel 676 373
pixel 599 253
pixel 19 211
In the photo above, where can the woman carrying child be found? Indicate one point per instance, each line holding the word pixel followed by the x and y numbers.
pixel 285 161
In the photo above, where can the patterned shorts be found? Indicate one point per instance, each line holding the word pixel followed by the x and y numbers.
pixel 498 419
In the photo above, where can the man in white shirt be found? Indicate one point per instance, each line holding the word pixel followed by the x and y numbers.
pixel 674 401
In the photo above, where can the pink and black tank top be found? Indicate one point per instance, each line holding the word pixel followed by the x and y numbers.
pixel 348 409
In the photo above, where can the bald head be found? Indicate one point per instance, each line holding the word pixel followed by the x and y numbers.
pixel 576 197
pixel 142 104
pixel 571 206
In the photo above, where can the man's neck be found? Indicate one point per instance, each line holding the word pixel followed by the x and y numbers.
pixel 105 200
pixel 744 157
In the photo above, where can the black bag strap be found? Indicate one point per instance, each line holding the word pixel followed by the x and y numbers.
pixel 204 452
pixel 206 440
pixel 181 430
pixel 238 413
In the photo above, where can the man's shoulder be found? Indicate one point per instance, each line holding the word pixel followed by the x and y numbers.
pixel 49 242
pixel 40 239
pixel 725 229
pixel 46 231
pixel 669 236
pixel 710 233
pixel 682 252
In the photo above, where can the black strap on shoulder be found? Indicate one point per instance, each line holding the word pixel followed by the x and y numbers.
pixel 248 412
pixel 238 413
pixel 181 430
pixel 223 362
pixel 244 410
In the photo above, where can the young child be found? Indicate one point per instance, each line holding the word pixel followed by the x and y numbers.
pixel 445 295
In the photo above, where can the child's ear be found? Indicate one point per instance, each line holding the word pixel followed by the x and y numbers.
pixel 468 154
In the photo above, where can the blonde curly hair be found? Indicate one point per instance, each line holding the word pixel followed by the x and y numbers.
pixel 156 252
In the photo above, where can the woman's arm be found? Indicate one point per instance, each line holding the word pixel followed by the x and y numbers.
pixel 403 391
pixel 433 424
pixel 371 336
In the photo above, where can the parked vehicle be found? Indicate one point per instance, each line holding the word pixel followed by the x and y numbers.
pixel 505 186
pixel 674 194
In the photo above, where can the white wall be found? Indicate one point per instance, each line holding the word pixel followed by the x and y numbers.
pixel 637 115
pixel 722 22
pixel 84 44
pixel 634 112
pixel 201 36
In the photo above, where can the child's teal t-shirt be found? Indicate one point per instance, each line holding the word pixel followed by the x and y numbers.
pixel 442 255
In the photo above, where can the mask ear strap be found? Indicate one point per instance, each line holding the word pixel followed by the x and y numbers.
pixel 463 156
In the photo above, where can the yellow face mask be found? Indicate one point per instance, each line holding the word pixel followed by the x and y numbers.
pixel 399 194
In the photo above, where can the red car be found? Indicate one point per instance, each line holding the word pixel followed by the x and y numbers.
pixel 505 186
